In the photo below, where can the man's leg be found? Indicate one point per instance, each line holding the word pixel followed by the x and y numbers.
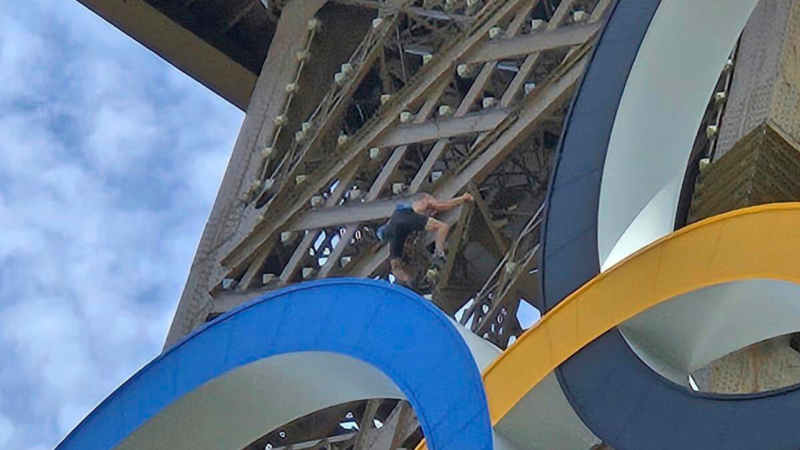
pixel 399 271
pixel 396 248
pixel 440 230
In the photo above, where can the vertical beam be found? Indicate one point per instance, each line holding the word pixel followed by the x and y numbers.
pixel 253 270
pixel 398 426
pixel 367 424
pixel 406 424
pixel 458 234
pixel 759 124
pixel 502 245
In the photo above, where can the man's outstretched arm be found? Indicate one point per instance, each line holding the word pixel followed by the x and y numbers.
pixel 430 203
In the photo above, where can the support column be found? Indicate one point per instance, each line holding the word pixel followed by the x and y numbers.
pixel 766 81
pixel 266 103
pixel 757 161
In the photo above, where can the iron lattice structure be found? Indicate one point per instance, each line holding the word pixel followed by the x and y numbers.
pixel 362 103
pixel 442 97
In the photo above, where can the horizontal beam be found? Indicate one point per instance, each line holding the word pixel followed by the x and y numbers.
pixel 227 300
pixel 534 43
pixel 345 215
pixel 443 128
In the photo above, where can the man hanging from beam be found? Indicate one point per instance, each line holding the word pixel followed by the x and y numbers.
pixel 415 215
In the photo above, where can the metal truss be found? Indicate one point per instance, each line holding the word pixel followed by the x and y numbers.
pixel 318 183
pixel 440 96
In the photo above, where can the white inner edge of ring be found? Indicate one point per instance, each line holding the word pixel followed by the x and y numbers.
pixel 667 92
pixel 693 330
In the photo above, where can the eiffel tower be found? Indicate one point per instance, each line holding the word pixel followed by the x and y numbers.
pixel 352 106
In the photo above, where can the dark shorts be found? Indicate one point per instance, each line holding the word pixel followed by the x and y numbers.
pixel 403 223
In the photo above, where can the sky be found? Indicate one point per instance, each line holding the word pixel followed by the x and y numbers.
pixel 110 160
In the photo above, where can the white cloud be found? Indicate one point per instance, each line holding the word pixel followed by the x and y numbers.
pixel 6 430
pixel 109 163
pixel 18 49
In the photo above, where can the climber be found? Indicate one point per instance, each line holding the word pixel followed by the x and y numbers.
pixel 414 214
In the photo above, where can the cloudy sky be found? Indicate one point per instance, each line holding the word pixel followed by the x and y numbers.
pixel 109 162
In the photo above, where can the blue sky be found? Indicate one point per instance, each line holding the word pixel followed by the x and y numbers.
pixel 109 163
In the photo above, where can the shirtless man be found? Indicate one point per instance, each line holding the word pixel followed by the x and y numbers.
pixel 415 215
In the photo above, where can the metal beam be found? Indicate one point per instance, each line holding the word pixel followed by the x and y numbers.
pixel 302 249
pixel 384 209
pixel 332 106
pixel 483 208
pixel 367 424
pixel 346 214
pixel 417 11
pixel 501 290
pixel 407 423
pixel 539 105
pixel 502 299
pixel 243 11
pixel 469 99
pixel 227 300
pixel 443 128
pixel 395 430
pixel 344 239
pixel 457 236
pixel 534 43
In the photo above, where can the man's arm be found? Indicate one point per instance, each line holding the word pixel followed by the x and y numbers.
pixel 430 203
